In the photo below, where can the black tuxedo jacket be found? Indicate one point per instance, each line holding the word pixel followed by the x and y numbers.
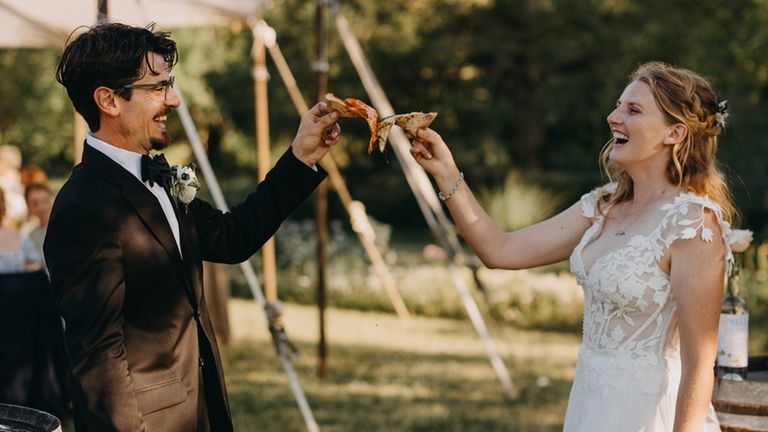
pixel 144 355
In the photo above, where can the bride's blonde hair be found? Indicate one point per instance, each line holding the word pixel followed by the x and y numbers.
pixel 684 97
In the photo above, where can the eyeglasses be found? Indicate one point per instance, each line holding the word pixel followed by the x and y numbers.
pixel 158 89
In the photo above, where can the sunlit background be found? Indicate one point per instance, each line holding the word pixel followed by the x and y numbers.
pixel 522 88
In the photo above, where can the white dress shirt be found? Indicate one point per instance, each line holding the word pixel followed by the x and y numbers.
pixel 131 161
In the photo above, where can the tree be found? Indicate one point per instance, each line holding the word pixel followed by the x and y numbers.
pixel 35 113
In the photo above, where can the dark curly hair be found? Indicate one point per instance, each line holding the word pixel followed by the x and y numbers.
pixel 109 55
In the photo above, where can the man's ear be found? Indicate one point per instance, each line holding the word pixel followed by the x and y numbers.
pixel 106 101
pixel 676 134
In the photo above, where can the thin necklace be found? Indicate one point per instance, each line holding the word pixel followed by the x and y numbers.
pixel 623 231
pixel 643 209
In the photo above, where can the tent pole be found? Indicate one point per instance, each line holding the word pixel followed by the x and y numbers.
pixel 261 78
pixel 80 128
pixel 320 66
pixel 102 15
pixel 78 136
pixel 355 209
pixel 423 191
pixel 284 349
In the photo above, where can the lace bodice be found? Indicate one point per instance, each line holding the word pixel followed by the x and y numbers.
pixel 627 295
pixel 629 368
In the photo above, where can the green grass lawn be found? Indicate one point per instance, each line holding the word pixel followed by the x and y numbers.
pixel 424 374
pixel 386 374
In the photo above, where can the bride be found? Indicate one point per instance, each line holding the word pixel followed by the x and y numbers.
pixel 649 249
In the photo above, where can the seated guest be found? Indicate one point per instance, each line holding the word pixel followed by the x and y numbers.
pixel 33 363
pixel 39 201
pixel 17 252
pixel 33 174
pixel 10 182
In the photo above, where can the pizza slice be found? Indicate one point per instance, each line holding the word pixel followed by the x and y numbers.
pixel 411 122
pixel 350 108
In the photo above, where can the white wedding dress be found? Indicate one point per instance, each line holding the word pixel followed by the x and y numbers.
pixel 628 370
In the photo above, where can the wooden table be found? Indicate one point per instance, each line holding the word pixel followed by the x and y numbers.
pixel 742 406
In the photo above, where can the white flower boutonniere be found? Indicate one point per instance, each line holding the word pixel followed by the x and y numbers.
pixel 184 184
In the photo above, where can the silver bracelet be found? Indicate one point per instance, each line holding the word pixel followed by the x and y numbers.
pixel 453 189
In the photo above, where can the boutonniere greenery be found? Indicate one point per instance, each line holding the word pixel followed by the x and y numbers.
pixel 184 184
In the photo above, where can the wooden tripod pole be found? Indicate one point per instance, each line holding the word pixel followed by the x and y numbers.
pixel 358 217
pixel 80 128
pixel 260 78
pixel 426 196
pixel 320 66
pixel 250 275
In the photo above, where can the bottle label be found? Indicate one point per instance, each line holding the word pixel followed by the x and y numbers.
pixel 732 340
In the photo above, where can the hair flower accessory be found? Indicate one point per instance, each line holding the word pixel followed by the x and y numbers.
pixel 184 184
pixel 722 113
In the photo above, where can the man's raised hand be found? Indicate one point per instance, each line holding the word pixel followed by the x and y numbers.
pixel 318 131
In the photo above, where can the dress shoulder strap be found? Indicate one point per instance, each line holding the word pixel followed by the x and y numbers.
pixel 685 218
pixel 590 200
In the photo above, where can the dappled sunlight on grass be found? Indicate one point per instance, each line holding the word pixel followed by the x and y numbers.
pixel 423 374
pixel 418 334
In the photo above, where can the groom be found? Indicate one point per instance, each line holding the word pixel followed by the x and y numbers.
pixel 125 256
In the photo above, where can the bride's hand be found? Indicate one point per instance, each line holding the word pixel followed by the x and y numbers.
pixel 431 152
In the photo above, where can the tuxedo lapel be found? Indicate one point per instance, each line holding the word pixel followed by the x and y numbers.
pixel 143 202
pixel 191 262
pixel 148 208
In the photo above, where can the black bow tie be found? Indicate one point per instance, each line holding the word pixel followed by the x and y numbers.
pixel 155 169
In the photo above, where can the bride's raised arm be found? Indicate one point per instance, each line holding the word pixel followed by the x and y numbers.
pixel 543 243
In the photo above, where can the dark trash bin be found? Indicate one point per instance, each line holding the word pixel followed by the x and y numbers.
pixel 14 418
pixel 33 361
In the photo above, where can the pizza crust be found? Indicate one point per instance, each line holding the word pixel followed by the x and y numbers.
pixel 339 106
pixel 411 122
pixel 349 108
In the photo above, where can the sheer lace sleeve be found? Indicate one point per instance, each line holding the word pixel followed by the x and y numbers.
pixel 685 219
pixel 590 199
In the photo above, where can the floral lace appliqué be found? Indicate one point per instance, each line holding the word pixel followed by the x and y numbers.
pixel 628 302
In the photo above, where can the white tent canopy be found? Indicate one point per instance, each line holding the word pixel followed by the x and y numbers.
pixel 33 24
pixel 39 23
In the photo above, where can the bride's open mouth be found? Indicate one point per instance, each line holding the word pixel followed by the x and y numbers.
pixel 620 138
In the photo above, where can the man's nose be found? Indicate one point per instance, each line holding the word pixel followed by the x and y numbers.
pixel 172 98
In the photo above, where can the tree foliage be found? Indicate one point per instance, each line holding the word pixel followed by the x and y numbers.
pixel 35 114
pixel 517 83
